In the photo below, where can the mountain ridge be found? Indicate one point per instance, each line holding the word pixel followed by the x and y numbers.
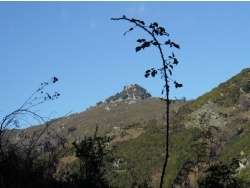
pixel 136 121
pixel 134 104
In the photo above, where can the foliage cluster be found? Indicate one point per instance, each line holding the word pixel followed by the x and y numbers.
pixel 91 152
pixel 221 176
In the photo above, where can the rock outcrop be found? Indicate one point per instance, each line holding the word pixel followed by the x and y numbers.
pixel 131 91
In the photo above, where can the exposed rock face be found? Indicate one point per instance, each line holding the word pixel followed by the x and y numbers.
pixel 244 102
pixel 131 91
pixel 208 115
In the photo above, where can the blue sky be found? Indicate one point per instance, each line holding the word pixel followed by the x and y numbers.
pixel 78 43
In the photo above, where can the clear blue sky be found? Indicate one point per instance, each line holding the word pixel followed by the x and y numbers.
pixel 78 43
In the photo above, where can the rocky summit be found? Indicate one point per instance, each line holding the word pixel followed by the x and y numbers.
pixel 131 91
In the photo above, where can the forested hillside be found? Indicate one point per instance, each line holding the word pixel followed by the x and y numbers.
pixel 209 136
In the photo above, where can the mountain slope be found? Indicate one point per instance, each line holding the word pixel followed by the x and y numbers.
pixel 131 106
pixel 229 101
pixel 135 121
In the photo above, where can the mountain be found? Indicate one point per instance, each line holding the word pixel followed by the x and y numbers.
pixel 132 91
pixel 135 122
pixel 225 103
pixel 133 105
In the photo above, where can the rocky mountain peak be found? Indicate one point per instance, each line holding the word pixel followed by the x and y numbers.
pixel 127 87
pixel 131 91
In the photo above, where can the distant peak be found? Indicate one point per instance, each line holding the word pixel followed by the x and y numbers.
pixel 130 86
pixel 131 91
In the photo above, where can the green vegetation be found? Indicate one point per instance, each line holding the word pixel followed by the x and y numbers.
pixel 221 176
pixel 239 147
pixel 138 159
pixel 134 157
pixel 226 94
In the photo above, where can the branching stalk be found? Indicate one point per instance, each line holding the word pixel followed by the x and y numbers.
pixel 167 65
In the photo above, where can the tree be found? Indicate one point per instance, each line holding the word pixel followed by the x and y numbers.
pixel 203 169
pixel 91 152
pixel 221 176
pixel 155 32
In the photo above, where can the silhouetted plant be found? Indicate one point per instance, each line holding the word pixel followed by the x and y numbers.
pixel 155 32
pixel 91 153
pixel 27 161
pixel 221 176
